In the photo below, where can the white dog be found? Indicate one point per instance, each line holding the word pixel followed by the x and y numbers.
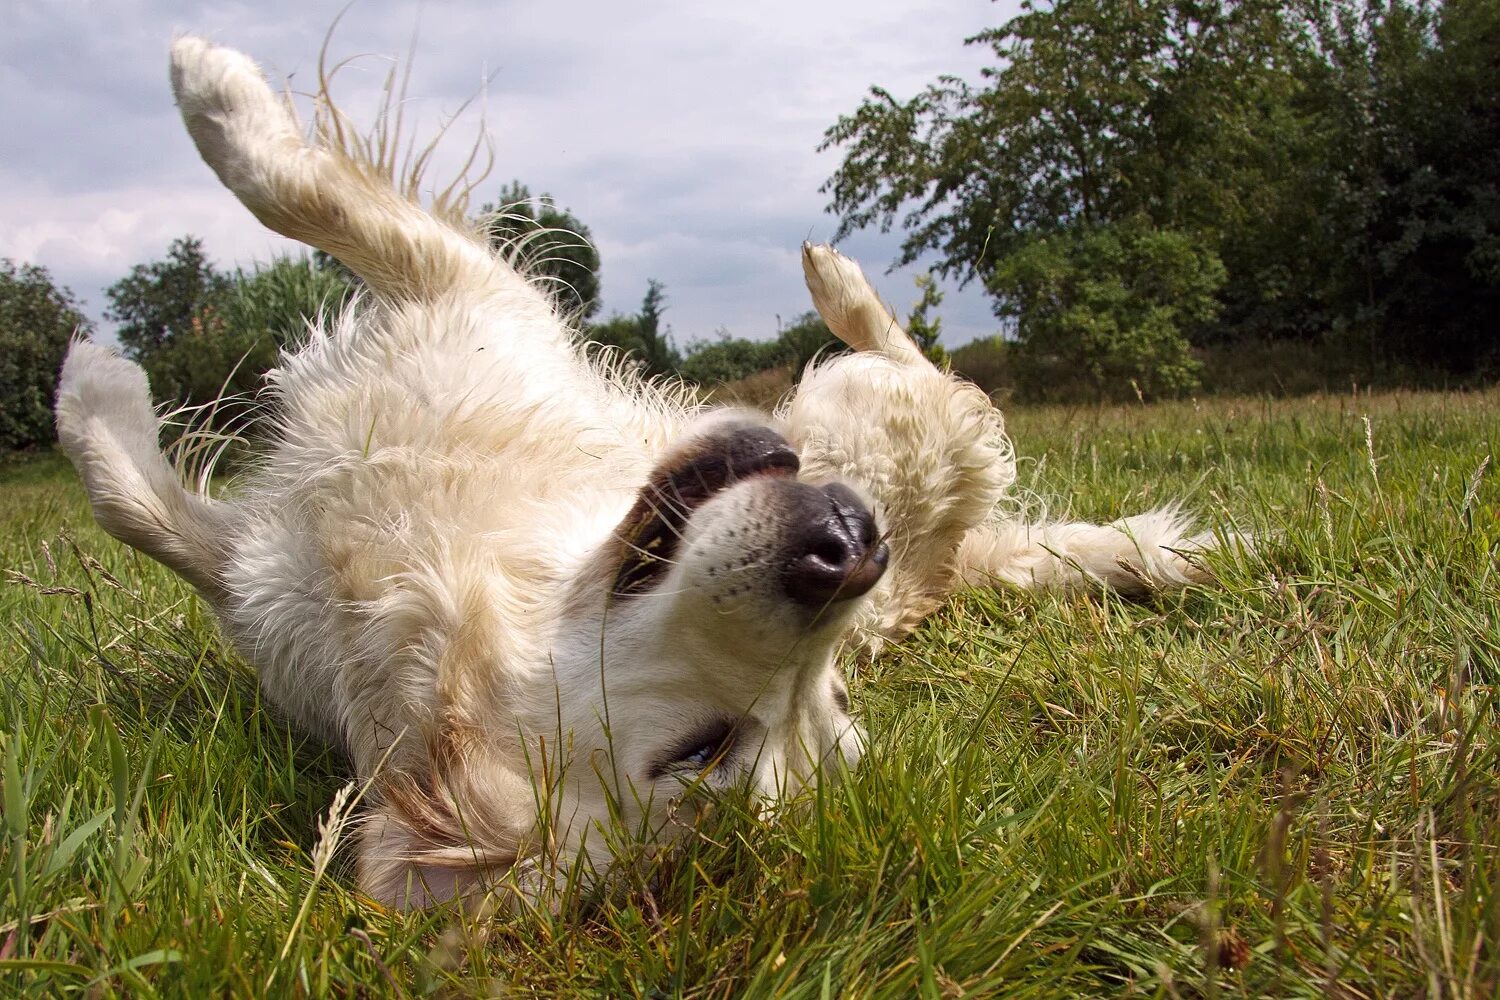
pixel 529 594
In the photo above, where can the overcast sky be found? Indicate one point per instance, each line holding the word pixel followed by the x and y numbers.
pixel 683 135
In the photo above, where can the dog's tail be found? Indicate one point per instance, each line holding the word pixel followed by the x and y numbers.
pixel 334 193
pixel 107 427
pixel 1135 556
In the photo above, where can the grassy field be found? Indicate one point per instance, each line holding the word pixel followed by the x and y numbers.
pixel 1285 786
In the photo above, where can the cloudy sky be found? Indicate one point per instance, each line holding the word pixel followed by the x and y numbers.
pixel 683 135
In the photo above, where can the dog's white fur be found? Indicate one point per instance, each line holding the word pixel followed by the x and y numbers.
pixel 421 568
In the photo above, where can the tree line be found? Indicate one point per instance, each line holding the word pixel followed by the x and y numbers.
pixel 207 336
pixel 1138 185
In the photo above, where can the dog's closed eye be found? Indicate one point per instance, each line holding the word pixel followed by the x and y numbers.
pixel 702 748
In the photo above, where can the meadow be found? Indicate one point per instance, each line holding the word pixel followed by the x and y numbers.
pixel 1285 785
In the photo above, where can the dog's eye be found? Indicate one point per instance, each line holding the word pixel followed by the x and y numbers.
pixel 700 749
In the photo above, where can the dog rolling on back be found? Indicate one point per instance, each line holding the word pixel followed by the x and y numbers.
pixel 528 593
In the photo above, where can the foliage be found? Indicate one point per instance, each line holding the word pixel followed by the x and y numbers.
pixel 235 339
pixel 1285 785
pixel 37 318
pixel 925 328
pixel 549 244
pixel 1094 111
pixel 1336 157
pixel 1115 301
pixel 641 337
pixel 988 362
pixel 806 339
pixel 1414 93
pixel 156 303
pixel 729 359
pixel 202 334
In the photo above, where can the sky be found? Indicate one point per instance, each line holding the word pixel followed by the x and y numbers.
pixel 683 135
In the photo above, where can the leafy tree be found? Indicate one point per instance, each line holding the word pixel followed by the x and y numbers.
pixel 1093 111
pixel 155 304
pixel 549 243
pixel 656 348
pixel 204 336
pixel 925 328
pixel 37 318
pixel 806 339
pixel 1410 92
pixel 642 336
pixel 729 359
pixel 1336 156
pixel 232 341
pixel 1114 302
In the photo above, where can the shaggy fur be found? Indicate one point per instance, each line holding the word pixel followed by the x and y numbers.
pixel 530 595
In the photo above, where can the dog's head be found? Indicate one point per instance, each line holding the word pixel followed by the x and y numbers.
pixel 699 649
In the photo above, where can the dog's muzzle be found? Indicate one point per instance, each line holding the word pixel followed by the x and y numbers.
pixel 831 550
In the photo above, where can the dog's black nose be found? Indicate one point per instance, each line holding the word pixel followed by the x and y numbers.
pixel 834 551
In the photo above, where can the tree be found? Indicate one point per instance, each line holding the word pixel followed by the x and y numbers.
pixel 1336 156
pixel 642 337
pixel 925 328
pixel 806 339
pixel 1093 111
pixel 207 338
pixel 547 243
pixel 155 304
pixel 37 318
pixel 1414 117
pixel 233 340
pixel 1178 116
pixel 1114 302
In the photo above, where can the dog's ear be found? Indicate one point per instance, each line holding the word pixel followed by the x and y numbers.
pixel 420 848
pixel 410 866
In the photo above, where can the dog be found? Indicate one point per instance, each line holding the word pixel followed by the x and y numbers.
pixel 531 595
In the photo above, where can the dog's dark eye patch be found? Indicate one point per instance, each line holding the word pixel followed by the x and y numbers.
pixel 654 526
pixel 696 751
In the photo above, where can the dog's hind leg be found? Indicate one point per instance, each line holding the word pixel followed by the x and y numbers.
pixel 329 196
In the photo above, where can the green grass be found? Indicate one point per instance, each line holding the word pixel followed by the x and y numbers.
pixel 1287 786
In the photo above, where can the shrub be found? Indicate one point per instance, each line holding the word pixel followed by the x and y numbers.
pixel 1113 303
pixel 37 318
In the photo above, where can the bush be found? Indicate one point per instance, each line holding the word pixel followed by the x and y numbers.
pixel 234 336
pixel 729 359
pixel 37 318
pixel 1114 304
pixel 988 363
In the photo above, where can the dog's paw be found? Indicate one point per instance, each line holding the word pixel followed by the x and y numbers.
pixel 228 108
pixel 850 307
pixel 837 285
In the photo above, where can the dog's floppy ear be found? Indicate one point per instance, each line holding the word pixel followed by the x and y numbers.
pixel 409 864
pixel 446 835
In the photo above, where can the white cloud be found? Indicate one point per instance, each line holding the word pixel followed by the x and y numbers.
pixel 684 136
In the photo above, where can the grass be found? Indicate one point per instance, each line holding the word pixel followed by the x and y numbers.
pixel 1284 786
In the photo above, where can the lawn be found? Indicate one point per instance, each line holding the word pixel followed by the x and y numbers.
pixel 1287 785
